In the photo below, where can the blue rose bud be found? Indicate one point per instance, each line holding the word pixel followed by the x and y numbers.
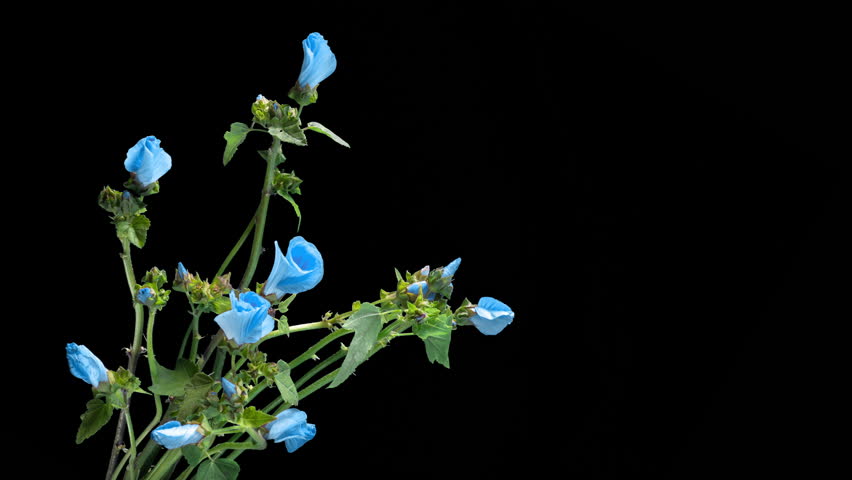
pixel 318 62
pixel 491 316
pixel 85 365
pixel 248 320
pixel 292 428
pixel 174 435
pixel 298 271
pixel 144 295
pixel 229 388
pixel 148 161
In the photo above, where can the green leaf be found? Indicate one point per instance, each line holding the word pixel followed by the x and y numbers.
pixel 234 138
pixel 219 469
pixel 435 331
pixel 135 230
pixel 97 415
pixel 126 380
pixel 172 382
pixel 285 384
pixel 366 322
pixel 192 454
pixel 289 198
pixel 195 394
pixel 253 418
pixel 290 134
pixel 317 127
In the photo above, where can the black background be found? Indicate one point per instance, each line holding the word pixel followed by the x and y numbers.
pixel 653 191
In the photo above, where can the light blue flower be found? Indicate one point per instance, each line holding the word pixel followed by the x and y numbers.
pixel 491 316
pixel 85 365
pixel 174 435
pixel 147 160
pixel 299 271
pixel 422 287
pixel 144 294
pixel 292 428
pixel 248 320
pixel 318 62
pixel 229 388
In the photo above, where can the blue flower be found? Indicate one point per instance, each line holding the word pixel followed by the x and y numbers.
pixel 229 388
pixel 85 365
pixel 174 435
pixel 318 62
pixel 247 321
pixel 491 316
pixel 422 287
pixel 182 272
pixel 144 294
pixel 299 271
pixel 147 160
pixel 292 428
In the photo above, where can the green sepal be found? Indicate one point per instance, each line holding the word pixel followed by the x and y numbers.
pixel 318 127
pixel 219 469
pixel 254 418
pixel 135 230
pixel 303 96
pixel 285 384
pixel 220 305
pixel 366 323
pixel 233 139
pixel 96 416
pixel 284 305
pixel 171 382
pixel 122 378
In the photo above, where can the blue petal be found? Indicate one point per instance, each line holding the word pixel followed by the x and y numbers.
pixel 298 271
pixel 147 160
pixel 229 388
pixel 491 316
pixel 291 427
pixel 418 288
pixel 85 365
pixel 451 268
pixel 231 322
pixel 182 270
pixel 248 320
pixel 318 62
pixel 144 294
pixel 174 435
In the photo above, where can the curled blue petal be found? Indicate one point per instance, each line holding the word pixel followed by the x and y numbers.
pixel 147 160
pixel 298 271
pixel 174 435
pixel 85 365
pixel 229 388
pixel 451 268
pixel 248 319
pixel 292 428
pixel 491 316
pixel 318 63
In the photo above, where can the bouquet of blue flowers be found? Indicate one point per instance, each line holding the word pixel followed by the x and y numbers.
pixel 222 395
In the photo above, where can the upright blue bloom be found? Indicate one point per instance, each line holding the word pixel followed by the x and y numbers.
pixel 491 316
pixel 292 428
pixel 422 286
pixel 229 388
pixel 147 160
pixel 299 271
pixel 85 365
pixel 174 435
pixel 318 62
pixel 248 320
pixel 144 294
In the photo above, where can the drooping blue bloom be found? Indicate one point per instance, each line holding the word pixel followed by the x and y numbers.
pixel 174 435
pixel 417 288
pixel 85 365
pixel 491 316
pixel 147 160
pixel 299 271
pixel 229 388
pixel 318 62
pixel 292 428
pixel 144 294
pixel 248 320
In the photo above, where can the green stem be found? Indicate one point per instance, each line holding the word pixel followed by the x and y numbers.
pixel 320 367
pixel 165 465
pixel 219 363
pixel 311 352
pixel 193 347
pixel 149 333
pixel 238 245
pixel 131 468
pixel 260 217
